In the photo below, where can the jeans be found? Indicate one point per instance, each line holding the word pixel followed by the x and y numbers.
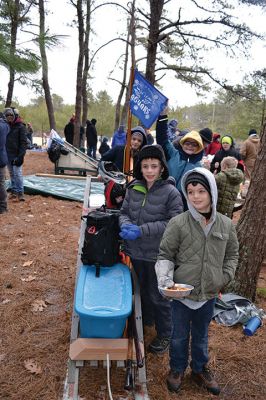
pixel 16 178
pixel 154 307
pixel 185 322
pixel 91 151
pixel 3 196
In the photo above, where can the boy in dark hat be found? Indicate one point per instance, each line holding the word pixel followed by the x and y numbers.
pixel 198 248
pixel 151 201
pixel 206 136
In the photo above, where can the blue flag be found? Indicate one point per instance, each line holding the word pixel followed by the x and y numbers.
pixel 146 102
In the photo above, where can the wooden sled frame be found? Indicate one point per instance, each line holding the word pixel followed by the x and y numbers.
pixel 95 350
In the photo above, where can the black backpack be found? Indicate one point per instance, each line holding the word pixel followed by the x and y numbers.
pixel 101 241
pixel 55 150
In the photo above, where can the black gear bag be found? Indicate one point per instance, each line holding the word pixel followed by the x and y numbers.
pixel 101 241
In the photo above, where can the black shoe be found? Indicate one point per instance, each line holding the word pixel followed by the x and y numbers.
pixel 21 197
pixel 159 345
pixel 174 380
pixel 3 211
pixel 206 380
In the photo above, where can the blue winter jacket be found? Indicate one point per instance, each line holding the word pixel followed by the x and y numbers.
pixel 178 161
pixel 4 129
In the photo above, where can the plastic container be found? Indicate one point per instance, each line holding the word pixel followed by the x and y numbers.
pixel 253 324
pixel 103 303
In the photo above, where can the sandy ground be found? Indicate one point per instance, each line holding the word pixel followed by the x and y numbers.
pixel 39 242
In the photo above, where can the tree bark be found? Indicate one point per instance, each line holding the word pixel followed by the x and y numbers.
pixel 86 69
pixel 14 31
pixel 156 8
pixel 45 80
pixel 251 229
pixel 79 74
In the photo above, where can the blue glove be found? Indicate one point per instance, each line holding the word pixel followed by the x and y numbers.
pixel 131 232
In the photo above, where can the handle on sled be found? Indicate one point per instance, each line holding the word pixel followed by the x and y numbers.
pixel 129 374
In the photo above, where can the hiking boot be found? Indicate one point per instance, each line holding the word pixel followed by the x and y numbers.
pixel 174 380
pixel 21 197
pixel 206 380
pixel 12 196
pixel 159 345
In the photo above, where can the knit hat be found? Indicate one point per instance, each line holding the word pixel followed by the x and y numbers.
pixel 252 132
pixel 9 111
pixel 196 178
pixel 140 132
pixel 93 121
pixel 227 139
pixel 173 123
pixel 151 151
pixel 206 135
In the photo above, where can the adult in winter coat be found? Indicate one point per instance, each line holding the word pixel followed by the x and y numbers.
pixel 249 150
pixel 198 248
pixel 91 135
pixel 151 201
pixel 4 129
pixel 117 153
pixel 228 185
pixel 16 146
pixel 104 146
pixel 69 131
pixel 228 149
pixel 214 146
pixel 186 156
pixel 119 137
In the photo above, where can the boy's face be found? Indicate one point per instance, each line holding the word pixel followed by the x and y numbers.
pixel 199 197
pixel 136 142
pixel 151 169
pixel 226 146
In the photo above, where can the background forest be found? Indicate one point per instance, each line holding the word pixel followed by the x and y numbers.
pixel 166 40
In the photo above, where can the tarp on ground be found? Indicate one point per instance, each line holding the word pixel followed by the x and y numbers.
pixel 69 189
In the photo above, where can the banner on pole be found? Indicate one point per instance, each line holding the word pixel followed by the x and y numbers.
pixel 146 102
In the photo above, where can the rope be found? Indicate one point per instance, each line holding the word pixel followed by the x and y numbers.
pixel 108 377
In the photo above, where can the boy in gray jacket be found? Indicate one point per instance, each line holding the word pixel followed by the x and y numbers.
pixel 199 248
pixel 151 201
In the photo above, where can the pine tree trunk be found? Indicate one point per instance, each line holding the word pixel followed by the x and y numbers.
pixel 251 229
pixel 45 80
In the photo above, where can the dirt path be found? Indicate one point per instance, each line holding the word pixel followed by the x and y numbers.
pixel 39 242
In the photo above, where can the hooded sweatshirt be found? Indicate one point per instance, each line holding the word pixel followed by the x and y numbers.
pixel 120 137
pixel 199 254
pixel 228 184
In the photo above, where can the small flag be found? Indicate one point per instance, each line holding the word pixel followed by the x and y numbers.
pixel 146 102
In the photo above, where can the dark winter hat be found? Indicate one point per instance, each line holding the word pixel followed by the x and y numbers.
pixel 9 111
pixel 151 151
pixel 196 178
pixel 206 135
pixel 138 130
pixel 252 132
pixel 93 121
pixel 173 123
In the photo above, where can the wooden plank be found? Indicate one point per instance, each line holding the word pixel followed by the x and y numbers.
pixel 97 349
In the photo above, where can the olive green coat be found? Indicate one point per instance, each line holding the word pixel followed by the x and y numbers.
pixel 228 185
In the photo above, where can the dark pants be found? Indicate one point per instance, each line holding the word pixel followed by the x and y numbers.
pixel 185 322
pixel 91 151
pixel 154 307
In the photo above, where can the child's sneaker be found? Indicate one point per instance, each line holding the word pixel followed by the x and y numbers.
pixel 159 345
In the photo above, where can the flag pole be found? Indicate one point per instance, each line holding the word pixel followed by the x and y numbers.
pixel 126 168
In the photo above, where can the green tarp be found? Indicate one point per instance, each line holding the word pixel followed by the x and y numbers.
pixel 70 189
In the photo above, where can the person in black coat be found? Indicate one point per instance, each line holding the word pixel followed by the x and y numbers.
pixel 69 131
pixel 4 129
pixel 16 146
pixel 228 149
pixel 91 134
pixel 104 146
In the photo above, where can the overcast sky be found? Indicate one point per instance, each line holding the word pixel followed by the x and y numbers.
pixel 63 60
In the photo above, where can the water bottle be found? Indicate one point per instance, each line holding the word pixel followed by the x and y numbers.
pixel 253 324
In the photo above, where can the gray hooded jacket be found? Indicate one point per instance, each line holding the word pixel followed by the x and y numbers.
pixel 197 254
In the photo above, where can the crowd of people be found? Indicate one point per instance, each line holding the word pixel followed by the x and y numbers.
pixel 175 220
